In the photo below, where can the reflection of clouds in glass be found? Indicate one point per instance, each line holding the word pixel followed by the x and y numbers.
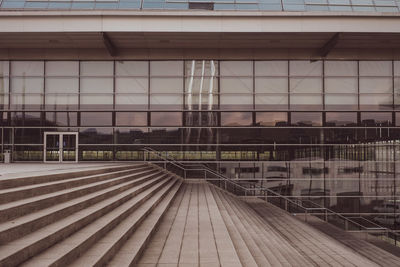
pixel 236 118
pixel 377 117
pixel 306 118
pixel 341 118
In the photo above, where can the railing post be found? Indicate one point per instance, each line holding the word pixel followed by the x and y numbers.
pixel 205 175
pixel 286 205
pixel 326 215
pixel 225 185
pixel 184 173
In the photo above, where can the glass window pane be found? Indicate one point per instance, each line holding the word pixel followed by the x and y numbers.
pixel 376 85
pixel 341 68
pixel 27 68
pixel 236 68
pixel 132 68
pixel 305 101
pixel 4 68
pixel 341 119
pixel 271 118
pixel 166 119
pixel 166 85
pixel 131 118
pixel 341 85
pixel 62 101
pixel 236 85
pixel 97 68
pixel 306 85
pixel 131 85
pixel 305 68
pixel 62 68
pixel 131 136
pixel 166 101
pixel 201 119
pixel 397 118
pixel 341 101
pixel 376 118
pixel 194 68
pixel 396 68
pixel 376 101
pixel 131 101
pixel 236 119
pixel 166 68
pixel 375 68
pixel 34 101
pixel 27 85
pixel 62 85
pixel 271 68
pixel 96 101
pixel 271 85
pixel 231 101
pixel 96 119
pixel 264 101
pixel 96 85
pixel 306 118
pixel 61 119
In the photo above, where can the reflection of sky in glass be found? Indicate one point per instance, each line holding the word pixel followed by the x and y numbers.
pixel 306 118
pixel 341 119
pixel 236 118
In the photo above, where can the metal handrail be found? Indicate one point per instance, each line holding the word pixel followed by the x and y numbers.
pixel 287 199
pixel 203 168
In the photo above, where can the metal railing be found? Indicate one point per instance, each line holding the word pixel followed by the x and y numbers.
pixel 302 208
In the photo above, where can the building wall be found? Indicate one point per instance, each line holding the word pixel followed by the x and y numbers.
pixel 328 129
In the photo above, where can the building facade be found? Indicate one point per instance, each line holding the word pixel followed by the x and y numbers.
pixel 308 103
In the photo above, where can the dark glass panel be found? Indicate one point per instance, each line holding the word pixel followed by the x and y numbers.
pixel 131 118
pixel 200 136
pixel 271 119
pixel 166 119
pixel 201 118
pixel 239 136
pixel 61 119
pixel 3 118
pixel 306 119
pixel 341 136
pixel 165 136
pixel 131 136
pixel 26 119
pixel 341 119
pixel 96 136
pixel 28 136
pixel 397 118
pixel 236 119
pixel 376 119
pixel 96 119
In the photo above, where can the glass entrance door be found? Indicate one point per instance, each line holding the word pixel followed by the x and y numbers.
pixel 60 147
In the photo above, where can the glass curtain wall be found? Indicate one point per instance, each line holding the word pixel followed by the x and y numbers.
pixel 323 130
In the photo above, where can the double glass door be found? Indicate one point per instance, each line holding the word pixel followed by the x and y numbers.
pixel 60 147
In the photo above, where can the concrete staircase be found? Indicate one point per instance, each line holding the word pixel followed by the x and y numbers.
pixel 206 226
pixel 82 218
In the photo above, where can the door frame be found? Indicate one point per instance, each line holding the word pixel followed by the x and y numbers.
pixel 61 148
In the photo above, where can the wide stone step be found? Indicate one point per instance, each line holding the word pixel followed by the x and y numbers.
pixel 17 251
pixel 245 256
pixel 127 241
pixel 24 181
pixel 322 249
pixel 27 191
pixel 22 207
pixel 97 234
